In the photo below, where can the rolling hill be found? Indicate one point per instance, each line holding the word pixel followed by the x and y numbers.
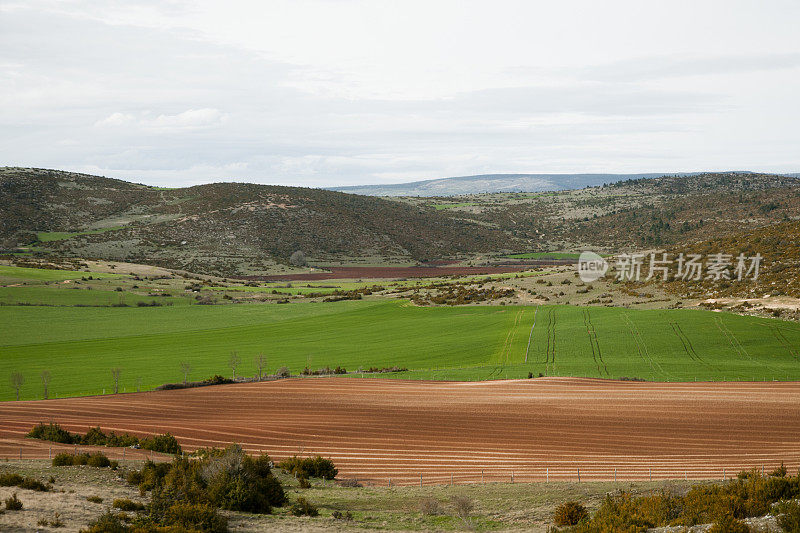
pixel 223 228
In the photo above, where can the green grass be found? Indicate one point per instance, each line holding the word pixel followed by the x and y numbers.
pixel 13 274
pixel 57 296
pixel 50 236
pixel 79 346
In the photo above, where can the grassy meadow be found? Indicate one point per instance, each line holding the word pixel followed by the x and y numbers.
pixel 80 345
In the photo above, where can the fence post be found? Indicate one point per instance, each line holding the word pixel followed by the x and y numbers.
pixel 579 475
pixel 481 476
pixel 723 473
pixel 390 482
pixel 420 480
pixel 20 453
pixel 512 476
pixel 547 475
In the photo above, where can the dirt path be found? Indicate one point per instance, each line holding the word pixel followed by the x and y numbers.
pixel 378 429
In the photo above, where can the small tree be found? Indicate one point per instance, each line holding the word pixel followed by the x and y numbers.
pixel 45 381
pixel 260 363
pixel 115 372
pixel 298 258
pixel 233 362
pixel 16 381
pixel 186 367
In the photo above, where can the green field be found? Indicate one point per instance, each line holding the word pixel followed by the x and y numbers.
pixel 79 345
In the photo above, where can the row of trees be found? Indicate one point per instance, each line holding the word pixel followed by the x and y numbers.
pixel 234 361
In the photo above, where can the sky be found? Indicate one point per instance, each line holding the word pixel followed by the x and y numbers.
pixel 339 92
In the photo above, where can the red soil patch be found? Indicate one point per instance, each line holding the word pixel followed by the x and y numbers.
pixel 377 429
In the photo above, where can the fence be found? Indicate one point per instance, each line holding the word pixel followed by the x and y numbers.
pixel 440 476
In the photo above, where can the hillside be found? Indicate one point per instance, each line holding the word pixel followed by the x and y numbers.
pixel 779 275
pixel 632 214
pixel 225 228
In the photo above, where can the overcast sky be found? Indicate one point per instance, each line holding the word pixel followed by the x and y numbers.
pixel 324 93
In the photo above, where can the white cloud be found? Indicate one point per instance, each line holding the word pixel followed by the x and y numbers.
pixel 189 119
pixel 116 119
pixel 357 91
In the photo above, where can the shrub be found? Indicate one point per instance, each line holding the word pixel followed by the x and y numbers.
pixel 338 515
pixel 569 514
pixel 165 443
pixel 309 467
pixel 302 507
pixel 429 506
pixel 195 517
pixel 52 432
pixel 56 520
pixel 729 524
pixel 107 522
pixel 63 459
pixel 789 519
pixel 33 484
pixel 94 459
pixel 124 504
pixel 10 480
pixel 94 499
pixel 94 437
pixel 304 482
pixel 13 503
pixel 98 460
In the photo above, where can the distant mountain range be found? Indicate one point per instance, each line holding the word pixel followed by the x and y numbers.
pixel 492 183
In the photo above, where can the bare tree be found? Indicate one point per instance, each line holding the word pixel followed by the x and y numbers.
pixel 115 372
pixel 233 362
pixel 261 362
pixel 16 381
pixel 45 381
pixel 186 367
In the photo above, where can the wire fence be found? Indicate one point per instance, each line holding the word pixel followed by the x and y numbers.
pixel 671 470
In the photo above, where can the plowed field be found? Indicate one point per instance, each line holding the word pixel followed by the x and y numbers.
pixel 376 430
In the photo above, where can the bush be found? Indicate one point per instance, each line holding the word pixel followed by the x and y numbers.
pixel 94 499
pixel 33 484
pixel 52 432
pixel 338 515
pixel 569 514
pixel 94 459
pixel 10 480
pixel 225 478
pixel 309 467
pixel 195 517
pixel 303 508
pixel 165 443
pixel 789 518
pixel 108 522
pixel 429 506
pixel 13 503
pixel 98 460
pixel 124 504
pixel 729 524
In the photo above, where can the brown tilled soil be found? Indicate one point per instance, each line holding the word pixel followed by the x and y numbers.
pixel 380 429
